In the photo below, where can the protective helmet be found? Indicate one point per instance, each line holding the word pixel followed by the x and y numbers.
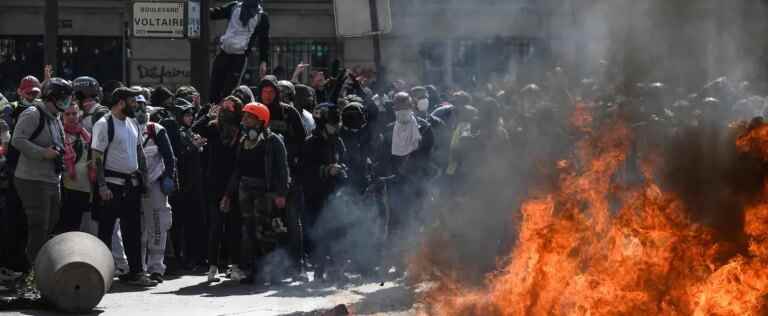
pixel 86 87
pixel 259 110
pixel 56 89
pixel 287 90
pixel 353 116
pixel 327 113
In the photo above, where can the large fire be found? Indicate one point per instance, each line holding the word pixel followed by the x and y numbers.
pixel 602 245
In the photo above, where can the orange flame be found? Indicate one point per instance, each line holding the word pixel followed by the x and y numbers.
pixel 598 246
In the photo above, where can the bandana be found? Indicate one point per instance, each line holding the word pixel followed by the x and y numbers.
pixel 405 137
pixel 70 154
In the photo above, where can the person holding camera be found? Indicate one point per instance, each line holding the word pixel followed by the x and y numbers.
pixel 39 137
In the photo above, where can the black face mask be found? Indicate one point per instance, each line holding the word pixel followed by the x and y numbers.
pixel 228 132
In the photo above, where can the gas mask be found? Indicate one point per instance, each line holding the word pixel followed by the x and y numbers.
pixel 251 132
pixel 63 105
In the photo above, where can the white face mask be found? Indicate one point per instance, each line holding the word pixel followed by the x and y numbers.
pixel 422 105
pixel 403 116
pixel 253 134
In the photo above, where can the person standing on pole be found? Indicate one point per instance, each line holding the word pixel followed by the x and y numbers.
pixel 247 22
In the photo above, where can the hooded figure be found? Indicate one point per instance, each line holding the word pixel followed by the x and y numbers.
pixel 323 172
pixel 405 154
pixel 285 119
pixel 188 222
pixel 248 23
pixel 304 101
pixel 222 130
pixel 244 93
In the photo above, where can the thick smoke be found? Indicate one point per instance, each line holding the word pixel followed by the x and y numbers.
pixel 623 46
pixel 468 227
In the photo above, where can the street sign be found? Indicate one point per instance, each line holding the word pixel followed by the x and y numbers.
pixel 158 19
pixel 353 18
pixel 193 19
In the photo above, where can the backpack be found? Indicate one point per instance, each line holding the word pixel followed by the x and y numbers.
pixel 13 154
pixel 97 114
pixel 151 132
pixel 111 135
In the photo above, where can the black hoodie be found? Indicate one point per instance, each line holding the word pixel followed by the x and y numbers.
pixel 285 120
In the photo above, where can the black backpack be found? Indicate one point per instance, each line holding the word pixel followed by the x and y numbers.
pixel 97 114
pixel 13 154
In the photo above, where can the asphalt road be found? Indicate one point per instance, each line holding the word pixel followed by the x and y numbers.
pixel 192 295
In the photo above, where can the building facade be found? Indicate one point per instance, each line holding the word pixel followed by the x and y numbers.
pixel 438 41
pixel 443 42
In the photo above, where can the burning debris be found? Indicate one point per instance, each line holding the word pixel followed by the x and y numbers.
pixel 600 244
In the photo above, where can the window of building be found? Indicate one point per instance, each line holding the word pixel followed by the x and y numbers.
pixel 474 60
pixel 287 53
pixel 99 57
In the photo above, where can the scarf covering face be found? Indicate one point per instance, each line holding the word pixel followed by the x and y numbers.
pixel 249 10
pixel 405 137
pixel 70 154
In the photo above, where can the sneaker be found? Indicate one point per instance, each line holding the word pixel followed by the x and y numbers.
pixel 212 271
pixel 120 272
pixel 156 277
pixel 9 275
pixel 236 274
pixel 141 280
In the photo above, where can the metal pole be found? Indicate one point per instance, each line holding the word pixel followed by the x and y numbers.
pixel 199 54
pixel 51 36
pixel 124 50
pixel 376 37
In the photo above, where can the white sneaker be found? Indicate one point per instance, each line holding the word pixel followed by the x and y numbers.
pixel 236 274
pixel 212 274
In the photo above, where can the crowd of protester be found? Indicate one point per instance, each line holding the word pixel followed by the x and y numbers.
pixel 275 180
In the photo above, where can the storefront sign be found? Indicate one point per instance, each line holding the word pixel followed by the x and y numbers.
pixel 158 19
pixel 167 72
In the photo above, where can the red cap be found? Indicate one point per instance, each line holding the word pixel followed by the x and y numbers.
pixel 29 84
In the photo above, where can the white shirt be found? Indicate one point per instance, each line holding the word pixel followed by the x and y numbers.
pixel 154 158
pixel 308 121
pixel 122 156
pixel 236 37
